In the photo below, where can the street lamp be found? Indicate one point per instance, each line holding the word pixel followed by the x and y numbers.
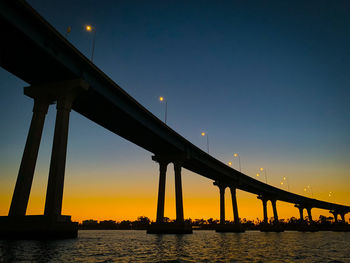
pixel 312 194
pixel 264 170
pixel 161 99
pixel 308 188
pixel 229 163
pixel 89 28
pixel 206 134
pixel 239 160
pixel 258 175
pixel 285 179
pixel 69 29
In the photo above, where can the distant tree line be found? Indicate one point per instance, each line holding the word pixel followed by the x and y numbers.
pixel 142 223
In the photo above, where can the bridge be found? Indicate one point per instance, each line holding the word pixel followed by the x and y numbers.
pixel 58 73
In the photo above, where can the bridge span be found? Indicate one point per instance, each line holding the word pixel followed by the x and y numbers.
pixel 57 72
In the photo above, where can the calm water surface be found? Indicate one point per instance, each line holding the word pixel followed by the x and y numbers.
pixel 201 246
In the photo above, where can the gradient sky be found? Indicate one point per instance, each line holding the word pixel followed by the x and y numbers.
pixel 266 79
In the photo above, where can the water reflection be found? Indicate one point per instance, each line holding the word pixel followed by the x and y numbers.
pixel 44 250
pixel 8 251
pixel 201 246
pixel 159 246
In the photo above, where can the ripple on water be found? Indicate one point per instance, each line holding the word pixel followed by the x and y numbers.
pixel 201 246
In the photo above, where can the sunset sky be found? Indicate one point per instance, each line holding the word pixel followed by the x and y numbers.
pixel 269 80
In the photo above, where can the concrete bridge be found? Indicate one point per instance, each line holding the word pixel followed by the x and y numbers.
pixel 57 72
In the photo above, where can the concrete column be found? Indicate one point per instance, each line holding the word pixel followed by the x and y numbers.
pixel 275 215
pixel 335 214
pixel 264 202
pixel 178 193
pixel 222 204
pixel 161 191
pixel 234 205
pixel 309 213
pixel 301 212
pixel 26 171
pixel 342 215
pixel 222 188
pixel 54 194
pixel 65 93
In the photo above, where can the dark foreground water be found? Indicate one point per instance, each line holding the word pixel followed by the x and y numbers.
pixel 201 246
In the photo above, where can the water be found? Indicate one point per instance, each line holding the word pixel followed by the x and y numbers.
pixel 201 246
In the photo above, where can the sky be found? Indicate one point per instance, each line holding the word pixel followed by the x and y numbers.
pixel 268 80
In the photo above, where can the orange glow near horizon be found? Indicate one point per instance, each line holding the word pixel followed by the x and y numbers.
pixel 119 201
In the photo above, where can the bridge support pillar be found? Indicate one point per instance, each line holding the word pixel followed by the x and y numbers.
pixel 66 95
pixel 275 215
pixel 335 214
pixel 222 227
pixel 222 204
pixel 264 203
pixel 178 193
pixel 234 205
pixel 54 194
pixel 161 188
pixel 336 217
pixel 265 227
pixel 222 188
pixel 308 209
pixel 342 215
pixel 52 224
pixel 26 171
pixel 179 226
pixel 301 212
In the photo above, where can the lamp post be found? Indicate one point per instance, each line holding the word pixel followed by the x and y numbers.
pixel 264 170
pixel 206 134
pixel 239 160
pixel 258 175
pixel 312 194
pixel 308 188
pixel 229 163
pixel 285 179
pixel 89 28
pixel 161 99
pixel 69 29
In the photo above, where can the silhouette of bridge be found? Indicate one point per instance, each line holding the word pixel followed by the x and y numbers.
pixel 58 73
